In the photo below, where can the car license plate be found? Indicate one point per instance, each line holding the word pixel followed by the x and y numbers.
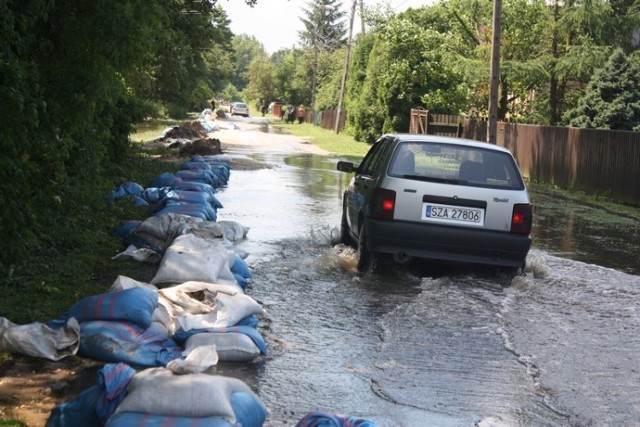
pixel 452 214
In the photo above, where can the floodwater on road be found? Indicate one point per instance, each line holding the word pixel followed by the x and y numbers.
pixel 557 347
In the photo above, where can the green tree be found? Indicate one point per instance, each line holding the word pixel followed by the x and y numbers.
pixel 261 85
pixel 75 77
pixel 246 49
pixel 324 24
pixel 405 69
pixel 324 29
pixel 612 98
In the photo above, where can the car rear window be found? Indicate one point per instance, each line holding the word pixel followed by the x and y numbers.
pixel 457 164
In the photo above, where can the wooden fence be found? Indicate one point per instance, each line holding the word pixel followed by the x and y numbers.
pixel 594 161
pixel 327 119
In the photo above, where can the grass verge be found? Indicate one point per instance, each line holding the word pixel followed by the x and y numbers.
pixel 341 143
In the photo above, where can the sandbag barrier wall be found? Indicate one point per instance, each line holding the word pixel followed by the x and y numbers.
pixel 192 315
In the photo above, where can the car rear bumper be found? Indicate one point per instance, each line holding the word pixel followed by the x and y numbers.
pixel 447 243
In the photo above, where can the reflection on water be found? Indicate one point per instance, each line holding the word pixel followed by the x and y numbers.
pixel 585 233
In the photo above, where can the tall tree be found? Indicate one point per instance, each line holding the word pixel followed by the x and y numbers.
pixel 246 49
pixel 324 29
pixel 324 24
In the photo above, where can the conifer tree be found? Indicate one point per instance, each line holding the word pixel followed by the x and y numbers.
pixel 612 97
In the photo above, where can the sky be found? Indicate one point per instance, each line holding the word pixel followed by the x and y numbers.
pixel 276 23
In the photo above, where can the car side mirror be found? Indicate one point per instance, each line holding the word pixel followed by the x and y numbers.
pixel 345 166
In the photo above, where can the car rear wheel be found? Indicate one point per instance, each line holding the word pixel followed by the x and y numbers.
pixel 345 236
pixel 367 260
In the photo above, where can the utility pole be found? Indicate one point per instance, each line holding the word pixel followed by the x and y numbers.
pixel 492 128
pixel 362 17
pixel 345 67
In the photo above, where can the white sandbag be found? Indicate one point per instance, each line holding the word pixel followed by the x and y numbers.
pixel 233 231
pixel 124 282
pixel 199 305
pixel 197 360
pixel 158 391
pixel 39 340
pixel 230 346
pixel 191 258
pixel 166 227
pixel 207 230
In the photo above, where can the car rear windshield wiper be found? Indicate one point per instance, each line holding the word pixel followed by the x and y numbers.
pixel 436 179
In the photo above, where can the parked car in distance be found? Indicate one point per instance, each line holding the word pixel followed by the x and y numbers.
pixel 437 198
pixel 240 109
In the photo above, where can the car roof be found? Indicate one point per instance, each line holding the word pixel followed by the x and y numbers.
pixel 414 137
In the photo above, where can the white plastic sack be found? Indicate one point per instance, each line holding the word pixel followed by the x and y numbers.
pixel 197 360
pixel 191 258
pixel 158 391
pixel 39 340
pixel 124 282
pixel 199 305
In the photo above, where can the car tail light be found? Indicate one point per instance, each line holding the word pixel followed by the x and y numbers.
pixel 521 219
pixel 383 203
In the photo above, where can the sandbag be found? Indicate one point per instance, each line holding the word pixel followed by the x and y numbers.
pixel 202 211
pixel 321 419
pixel 115 341
pixel 190 258
pixel 193 186
pixel 95 405
pixel 165 179
pixel 233 231
pixel 135 305
pixel 53 341
pixel 230 346
pixel 129 419
pixel 158 391
pixel 250 331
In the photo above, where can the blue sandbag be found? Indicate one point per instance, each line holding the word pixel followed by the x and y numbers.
pixel 127 237
pixel 240 267
pixel 154 194
pixel 200 175
pixel 319 419
pixel 115 341
pixel 194 197
pixel 127 189
pixel 95 405
pixel 205 212
pixel 241 281
pixel 80 411
pixel 134 305
pixel 165 179
pixel 193 186
pixel 132 419
pixel 114 379
pixel 195 165
pixel 181 335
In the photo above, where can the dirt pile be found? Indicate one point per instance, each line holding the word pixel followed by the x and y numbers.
pixel 201 147
pixel 192 130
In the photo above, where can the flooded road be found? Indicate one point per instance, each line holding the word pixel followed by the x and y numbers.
pixel 558 347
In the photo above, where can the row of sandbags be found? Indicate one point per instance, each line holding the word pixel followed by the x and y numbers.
pixel 160 339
